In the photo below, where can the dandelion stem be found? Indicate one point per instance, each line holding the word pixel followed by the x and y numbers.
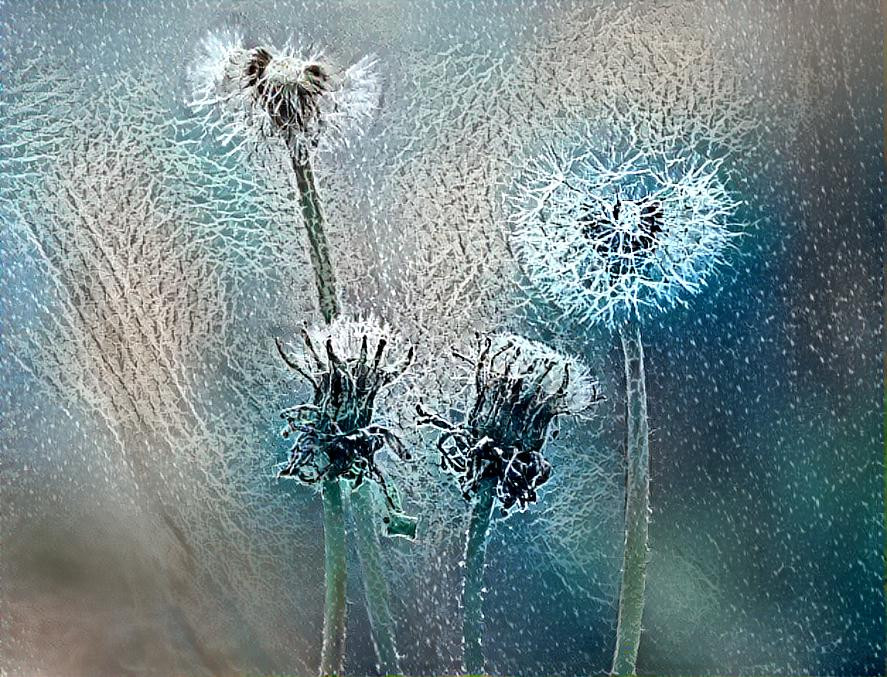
pixel 309 200
pixel 472 594
pixel 375 584
pixel 637 506
pixel 332 654
pixel 333 649
pixel 369 549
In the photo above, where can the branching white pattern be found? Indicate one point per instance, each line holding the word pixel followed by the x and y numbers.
pixel 651 67
pixel 608 231
pixel 134 323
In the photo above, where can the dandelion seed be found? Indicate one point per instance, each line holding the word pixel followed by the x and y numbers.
pixel 609 233
pixel 253 95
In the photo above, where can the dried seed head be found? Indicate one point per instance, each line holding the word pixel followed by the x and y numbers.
pixel 520 387
pixel 542 371
pixel 337 434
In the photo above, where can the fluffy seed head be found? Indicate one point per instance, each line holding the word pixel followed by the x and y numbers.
pixel 609 233
pixel 258 94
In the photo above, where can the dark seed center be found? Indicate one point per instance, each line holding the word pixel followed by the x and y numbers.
pixel 609 238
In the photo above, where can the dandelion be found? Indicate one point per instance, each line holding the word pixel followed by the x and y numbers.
pixel 266 100
pixel 616 234
pixel 613 235
pixel 520 388
pixel 269 101
pixel 336 436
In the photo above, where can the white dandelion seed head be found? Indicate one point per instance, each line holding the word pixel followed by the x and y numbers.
pixel 287 73
pixel 251 97
pixel 512 356
pixel 610 233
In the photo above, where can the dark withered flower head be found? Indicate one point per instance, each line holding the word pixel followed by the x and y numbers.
pixel 255 94
pixel 337 434
pixel 520 387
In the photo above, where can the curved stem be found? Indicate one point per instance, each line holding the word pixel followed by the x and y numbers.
pixel 332 653
pixel 472 594
pixel 324 276
pixel 375 583
pixel 637 507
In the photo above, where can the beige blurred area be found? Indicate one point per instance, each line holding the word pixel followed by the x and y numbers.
pixel 88 601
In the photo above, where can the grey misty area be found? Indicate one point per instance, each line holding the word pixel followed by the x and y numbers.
pixel 149 267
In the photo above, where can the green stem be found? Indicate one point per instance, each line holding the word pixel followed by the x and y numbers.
pixel 333 649
pixel 332 653
pixel 637 507
pixel 324 276
pixel 472 595
pixel 375 583
pixel 376 586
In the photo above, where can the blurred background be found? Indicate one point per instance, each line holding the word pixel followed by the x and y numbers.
pixel 142 530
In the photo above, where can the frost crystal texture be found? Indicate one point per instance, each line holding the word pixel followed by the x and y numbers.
pixel 521 386
pixel 608 232
pixel 652 67
pixel 147 267
pixel 252 95
pixel 119 244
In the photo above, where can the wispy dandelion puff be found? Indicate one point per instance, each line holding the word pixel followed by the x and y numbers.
pixel 253 95
pixel 612 231
pixel 616 233
pixel 281 107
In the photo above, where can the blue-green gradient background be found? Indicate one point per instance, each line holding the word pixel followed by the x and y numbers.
pixel 765 395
